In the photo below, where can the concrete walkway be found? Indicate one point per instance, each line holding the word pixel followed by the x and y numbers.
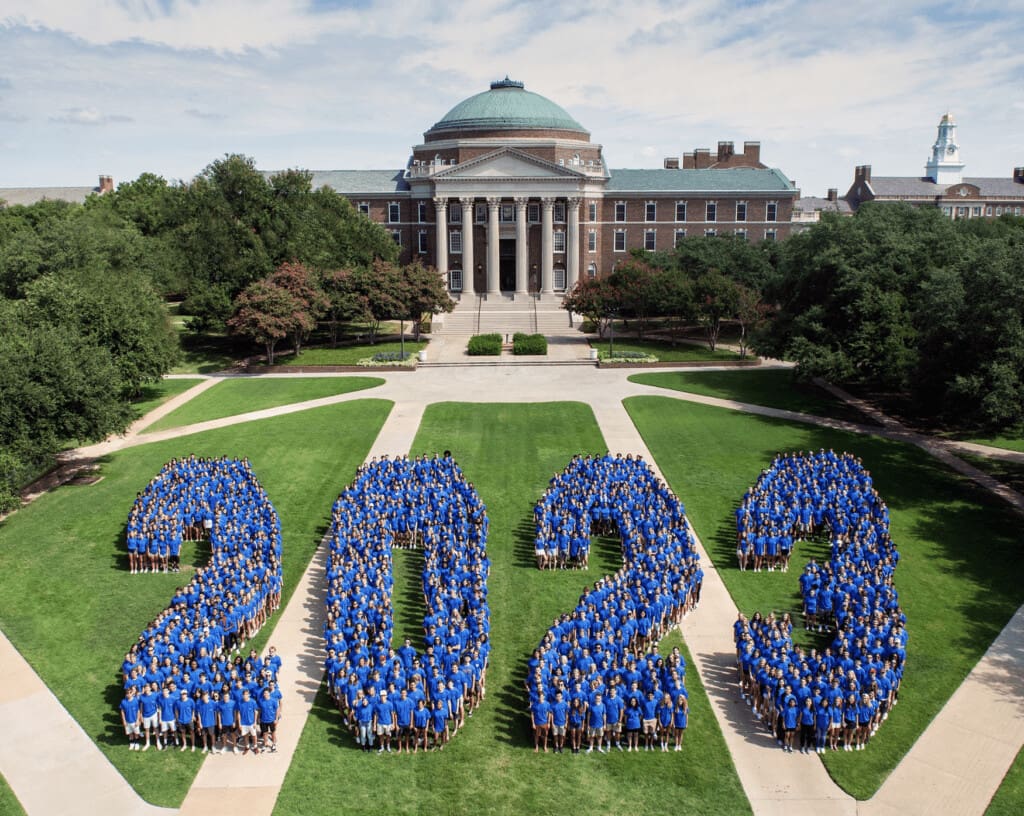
pixel 984 716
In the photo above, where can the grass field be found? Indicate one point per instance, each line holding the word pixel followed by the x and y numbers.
pixel 239 396
pixel 1009 440
pixel 1009 473
pixel 66 551
pixel 960 577
pixel 489 767
pixel 666 352
pixel 346 355
pixel 9 804
pixel 771 387
pixel 153 396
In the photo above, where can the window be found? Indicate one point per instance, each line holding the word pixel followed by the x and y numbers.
pixel 421 242
pixel 592 210
pixel 711 211
pixel 988 210
pixel 976 211
pixel 394 213
pixel 507 213
pixel 960 212
pixel 650 239
pixel 455 242
pixel 558 279
pixel 948 211
pixel 651 211
pixel 742 234
pixel 741 210
pixel 592 241
pixel 421 211
pixel 710 233
pixel 680 235
pixel 533 213
pixel 620 241
pixel 620 210
pixel 680 211
pixel 364 207
pixel 771 211
pixel 769 235
pixel 396 236
pixel 1016 210
pixel 592 270
pixel 481 213
pixel 558 242
pixel 559 212
pixel 455 280
pixel 455 214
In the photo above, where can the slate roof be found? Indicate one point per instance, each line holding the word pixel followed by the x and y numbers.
pixel 14 196
pixel 818 204
pixel 736 179
pixel 924 187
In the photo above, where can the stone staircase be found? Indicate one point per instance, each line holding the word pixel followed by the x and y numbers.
pixel 505 314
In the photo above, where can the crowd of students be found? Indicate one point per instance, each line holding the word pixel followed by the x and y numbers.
pixel 836 699
pixel 414 700
pixel 186 648
pixel 596 676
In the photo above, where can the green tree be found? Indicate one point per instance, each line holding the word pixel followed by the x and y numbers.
pixel 266 313
pixel 304 287
pixel 423 291
pixel 642 291
pixel 346 304
pixel 597 299
pixel 380 286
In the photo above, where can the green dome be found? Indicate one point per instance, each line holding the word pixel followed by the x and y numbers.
pixel 507 106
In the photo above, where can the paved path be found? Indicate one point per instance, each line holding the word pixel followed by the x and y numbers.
pixel 987 739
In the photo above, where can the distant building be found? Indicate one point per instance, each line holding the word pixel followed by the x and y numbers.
pixel 807 210
pixel 943 184
pixel 507 193
pixel 13 196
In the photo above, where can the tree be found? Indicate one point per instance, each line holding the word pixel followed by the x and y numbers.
pixel 642 291
pixel 381 287
pixel 303 286
pixel 266 313
pixel 346 303
pixel 716 298
pixel 423 291
pixel 597 299
pixel 750 312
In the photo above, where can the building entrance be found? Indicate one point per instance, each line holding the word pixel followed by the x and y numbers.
pixel 507 264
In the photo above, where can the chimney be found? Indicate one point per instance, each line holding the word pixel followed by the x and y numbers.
pixel 725 151
pixel 689 161
pixel 1018 175
pixel 671 163
pixel 833 194
pixel 702 158
pixel 752 151
pixel 862 173
pixel 106 184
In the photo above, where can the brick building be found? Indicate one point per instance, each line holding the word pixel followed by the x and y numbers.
pixel 507 193
pixel 943 184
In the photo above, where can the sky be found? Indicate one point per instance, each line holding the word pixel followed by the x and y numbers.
pixel 122 87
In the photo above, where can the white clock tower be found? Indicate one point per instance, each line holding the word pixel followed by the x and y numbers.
pixel 944 166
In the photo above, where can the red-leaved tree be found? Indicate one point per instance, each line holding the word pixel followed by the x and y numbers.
pixel 266 313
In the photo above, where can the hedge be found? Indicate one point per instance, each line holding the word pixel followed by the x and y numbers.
pixel 529 344
pixel 485 345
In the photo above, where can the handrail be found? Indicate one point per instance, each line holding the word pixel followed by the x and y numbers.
pixel 536 330
pixel 479 309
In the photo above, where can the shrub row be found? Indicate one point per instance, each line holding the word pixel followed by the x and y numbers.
pixel 485 345
pixel 529 344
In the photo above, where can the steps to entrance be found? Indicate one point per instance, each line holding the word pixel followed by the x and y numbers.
pixel 505 314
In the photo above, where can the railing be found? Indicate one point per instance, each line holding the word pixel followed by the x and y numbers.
pixel 536 330
pixel 479 309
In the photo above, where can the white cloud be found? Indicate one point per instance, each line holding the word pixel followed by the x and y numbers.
pixel 297 84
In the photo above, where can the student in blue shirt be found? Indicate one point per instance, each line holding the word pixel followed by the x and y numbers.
pixel 790 721
pixel 807 725
pixel 596 720
pixel 615 706
pixel 365 709
pixel 649 712
pixel 559 720
pixel 384 722
pixel 247 710
pixel 227 719
pixel 665 711
pixel 404 708
pixel 131 718
pixel 439 721
pixel 577 718
pixel 206 712
pixel 680 715
pixel 540 716
pixel 822 725
pixel 633 716
pixel 168 732
pixel 270 714
pixel 420 723
pixel 184 712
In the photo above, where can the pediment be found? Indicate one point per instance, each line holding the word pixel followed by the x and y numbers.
pixel 506 163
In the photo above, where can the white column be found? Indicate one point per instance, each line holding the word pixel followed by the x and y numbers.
pixel 522 250
pixel 547 206
pixel 573 239
pixel 441 255
pixel 467 246
pixel 493 236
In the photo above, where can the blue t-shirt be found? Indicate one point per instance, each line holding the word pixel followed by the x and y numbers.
pixel 184 710
pixel 596 715
pixel 421 717
pixel 385 713
pixel 207 711
pixel 403 712
pixel 167 705
pixel 560 713
pixel 130 709
pixel 540 712
pixel 227 710
pixel 247 712
pixel 268 709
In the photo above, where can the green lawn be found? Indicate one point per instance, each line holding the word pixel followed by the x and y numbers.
pixel 666 352
pixel 69 605
pixel 153 396
pixel 346 355
pixel 509 452
pixel 1009 799
pixel 771 387
pixel 1009 440
pixel 240 396
pixel 1009 473
pixel 9 804
pixel 960 579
